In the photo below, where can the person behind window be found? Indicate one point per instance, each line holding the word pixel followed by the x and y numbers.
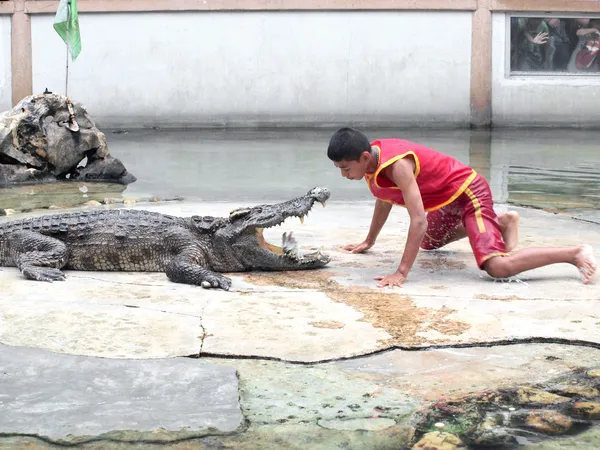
pixel 558 49
pixel 515 37
pixel 584 56
pixel 531 44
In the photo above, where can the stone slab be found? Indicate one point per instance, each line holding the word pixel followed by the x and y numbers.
pixel 394 384
pixel 305 325
pixel 53 396
pixel 110 331
pixel 432 374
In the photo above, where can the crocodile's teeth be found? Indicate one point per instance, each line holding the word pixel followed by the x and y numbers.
pixel 290 245
pixel 323 203
pixel 302 219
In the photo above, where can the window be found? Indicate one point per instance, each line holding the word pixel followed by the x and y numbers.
pixel 543 45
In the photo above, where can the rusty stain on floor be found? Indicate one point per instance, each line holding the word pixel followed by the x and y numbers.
pixel 502 298
pixel 332 324
pixel 441 263
pixel 395 313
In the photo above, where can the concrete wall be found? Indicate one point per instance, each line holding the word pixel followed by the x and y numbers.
pixel 539 100
pixel 5 64
pixel 200 68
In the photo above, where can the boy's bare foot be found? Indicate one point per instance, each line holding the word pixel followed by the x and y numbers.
pixel 585 262
pixel 509 226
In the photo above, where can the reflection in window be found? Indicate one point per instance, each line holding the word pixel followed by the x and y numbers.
pixel 552 44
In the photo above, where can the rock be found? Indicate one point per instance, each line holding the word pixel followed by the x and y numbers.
pixel 86 396
pixel 129 201
pixel 17 174
pixel 548 422
pixel 107 168
pixel 494 437
pixel 7 212
pixel 37 147
pixel 438 440
pixel 490 422
pixel 594 373
pixel 576 391
pixel 532 395
pixel 491 433
pixel 587 410
pixel 92 203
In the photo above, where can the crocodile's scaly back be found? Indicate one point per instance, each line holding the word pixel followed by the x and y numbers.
pixel 126 220
pixel 101 240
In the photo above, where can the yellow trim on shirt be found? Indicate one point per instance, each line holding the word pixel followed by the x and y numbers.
pixel 392 161
pixel 369 176
pixel 460 190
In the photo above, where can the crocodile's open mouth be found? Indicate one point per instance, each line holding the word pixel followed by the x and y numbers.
pixel 289 246
pixel 264 244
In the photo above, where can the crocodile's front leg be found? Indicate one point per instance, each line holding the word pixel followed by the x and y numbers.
pixel 183 269
pixel 37 256
pixel 188 263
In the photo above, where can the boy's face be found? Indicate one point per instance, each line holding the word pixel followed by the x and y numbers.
pixel 354 170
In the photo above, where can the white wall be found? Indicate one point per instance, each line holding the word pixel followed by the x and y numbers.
pixel 539 100
pixel 198 68
pixel 5 64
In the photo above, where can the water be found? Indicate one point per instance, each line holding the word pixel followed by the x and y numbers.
pixel 557 170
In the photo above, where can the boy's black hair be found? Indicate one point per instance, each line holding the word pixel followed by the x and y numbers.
pixel 347 144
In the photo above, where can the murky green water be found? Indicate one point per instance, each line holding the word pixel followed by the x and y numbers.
pixel 550 169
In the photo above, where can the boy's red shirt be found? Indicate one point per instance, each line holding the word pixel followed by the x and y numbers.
pixel 441 178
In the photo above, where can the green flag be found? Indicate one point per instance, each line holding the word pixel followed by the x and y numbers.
pixel 66 24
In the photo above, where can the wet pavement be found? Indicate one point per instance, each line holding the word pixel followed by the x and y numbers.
pixel 316 359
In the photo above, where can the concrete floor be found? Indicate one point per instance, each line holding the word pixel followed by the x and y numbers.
pixel 317 359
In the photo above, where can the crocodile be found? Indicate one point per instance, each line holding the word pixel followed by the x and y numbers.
pixel 193 250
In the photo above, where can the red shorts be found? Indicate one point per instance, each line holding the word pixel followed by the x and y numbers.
pixel 473 209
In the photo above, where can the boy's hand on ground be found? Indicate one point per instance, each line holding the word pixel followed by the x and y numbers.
pixel 395 279
pixel 358 248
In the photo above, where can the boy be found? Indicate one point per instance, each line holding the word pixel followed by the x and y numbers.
pixel 446 201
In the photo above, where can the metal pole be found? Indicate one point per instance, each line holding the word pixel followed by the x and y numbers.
pixel 67 39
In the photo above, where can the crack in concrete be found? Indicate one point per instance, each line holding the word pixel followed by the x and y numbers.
pixel 204 334
pixel 409 348
pixel 100 439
